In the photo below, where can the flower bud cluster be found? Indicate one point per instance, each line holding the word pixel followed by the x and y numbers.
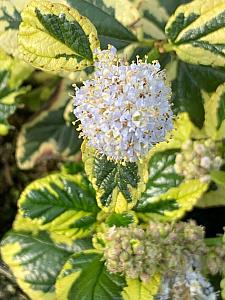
pixel 124 110
pixel 160 248
pixel 215 260
pixel 197 159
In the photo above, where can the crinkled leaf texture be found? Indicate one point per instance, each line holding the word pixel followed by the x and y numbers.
pixel 48 134
pixel 118 186
pixel 84 276
pixel 62 204
pixel 196 32
pixel 55 37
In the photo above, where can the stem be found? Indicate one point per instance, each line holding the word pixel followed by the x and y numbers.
pixel 146 43
pixel 168 47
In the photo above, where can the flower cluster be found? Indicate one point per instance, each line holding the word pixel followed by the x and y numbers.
pixel 160 248
pixel 124 110
pixel 190 285
pixel 197 159
pixel 215 260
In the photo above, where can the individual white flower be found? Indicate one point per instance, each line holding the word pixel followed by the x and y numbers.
pixel 124 110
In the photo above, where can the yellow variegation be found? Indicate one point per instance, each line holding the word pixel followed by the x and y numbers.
pixel 39 139
pixel 185 196
pixel 47 37
pixel 117 201
pixel 138 290
pixel 49 203
pixel 215 114
pixel 196 32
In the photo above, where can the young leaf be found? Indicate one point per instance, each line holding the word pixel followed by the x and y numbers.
pixel 196 32
pixel 138 290
pixel 84 276
pixel 118 186
pixel 54 37
pixel 48 134
pixel 63 204
pixel 36 260
pixel 110 30
pixel 121 220
pixel 215 114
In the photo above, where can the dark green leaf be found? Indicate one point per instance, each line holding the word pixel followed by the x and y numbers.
pixel 190 81
pixel 93 281
pixel 162 175
pixel 36 260
pixel 110 31
pixel 69 33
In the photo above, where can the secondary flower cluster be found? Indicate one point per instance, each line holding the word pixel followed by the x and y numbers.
pixel 124 110
pixel 197 159
pixel 175 251
pixel 140 253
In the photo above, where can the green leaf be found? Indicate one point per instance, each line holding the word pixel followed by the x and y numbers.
pixel 215 114
pixel 61 38
pixel 188 85
pixel 171 5
pixel 110 30
pixel 153 18
pixel 183 198
pixel 120 220
pixel 118 186
pixel 197 32
pixel 162 175
pixel 85 277
pixel 12 74
pixel 48 134
pixel 138 290
pixel 212 198
pixel 36 260
pixel 219 178
pixel 61 203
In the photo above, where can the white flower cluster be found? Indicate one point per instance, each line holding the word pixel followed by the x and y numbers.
pixel 190 285
pixel 197 159
pixel 124 110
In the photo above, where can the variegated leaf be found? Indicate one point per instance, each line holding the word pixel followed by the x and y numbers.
pixel 62 204
pixel 196 32
pixel 55 37
pixel 118 186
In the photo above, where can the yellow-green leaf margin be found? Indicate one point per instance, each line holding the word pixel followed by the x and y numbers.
pixel 215 114
pixel 196 32
pixel 55 37
pixel 141 291
pixel 118 199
